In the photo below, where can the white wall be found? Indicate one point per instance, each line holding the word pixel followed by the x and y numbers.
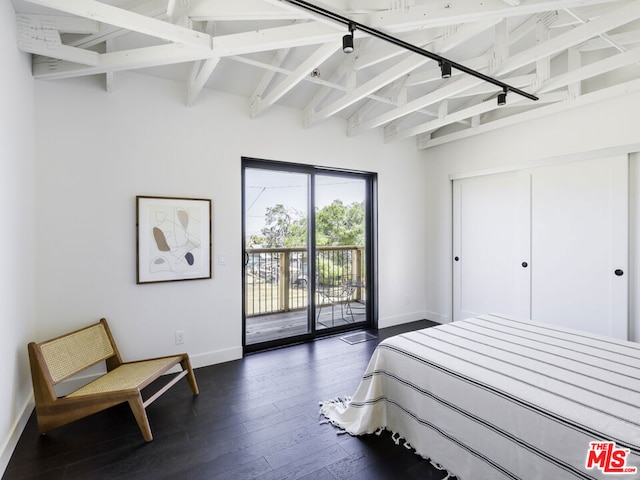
pixel 17 237
pixel 96 151
pixel 591 128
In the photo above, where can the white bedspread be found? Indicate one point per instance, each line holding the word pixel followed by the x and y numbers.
pixel 497 398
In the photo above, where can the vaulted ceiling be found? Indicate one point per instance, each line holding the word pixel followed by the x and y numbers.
pixel 566 52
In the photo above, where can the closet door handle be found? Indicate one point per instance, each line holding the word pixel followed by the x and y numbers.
pixel 619 272
pixel 456 258
pixel 525 264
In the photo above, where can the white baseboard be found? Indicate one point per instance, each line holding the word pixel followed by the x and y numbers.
pixel 437 317
pixel 401 319
pixel 14 435
pixel 215 357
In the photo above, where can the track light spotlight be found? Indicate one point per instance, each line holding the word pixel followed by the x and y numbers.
pixel 347 40
pixel 445 68
pixel 502 98
pixel 347 43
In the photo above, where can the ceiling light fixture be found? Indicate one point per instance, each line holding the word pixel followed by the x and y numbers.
pixel 347 40
pixel 407 46
pixel 502 97
pixel 445 68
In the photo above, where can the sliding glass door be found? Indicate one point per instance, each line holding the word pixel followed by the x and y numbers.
pixel 340 249
pixel 307 259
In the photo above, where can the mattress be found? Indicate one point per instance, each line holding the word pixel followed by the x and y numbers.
pixel 496 398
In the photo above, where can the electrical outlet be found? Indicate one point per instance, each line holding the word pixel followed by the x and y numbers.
pixel 179 337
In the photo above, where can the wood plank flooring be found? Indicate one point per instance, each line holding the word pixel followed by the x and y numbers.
pixel 255 418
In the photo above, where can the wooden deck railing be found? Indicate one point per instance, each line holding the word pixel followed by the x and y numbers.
pixel 277 279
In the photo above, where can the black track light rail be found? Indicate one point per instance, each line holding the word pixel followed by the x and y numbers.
pixel 352 25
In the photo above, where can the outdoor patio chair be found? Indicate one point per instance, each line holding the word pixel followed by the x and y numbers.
pixel 339 291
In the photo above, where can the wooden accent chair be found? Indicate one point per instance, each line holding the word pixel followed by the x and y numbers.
pixel 55 360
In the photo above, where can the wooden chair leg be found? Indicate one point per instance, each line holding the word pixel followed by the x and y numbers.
pixel 191 378
pixel 139 412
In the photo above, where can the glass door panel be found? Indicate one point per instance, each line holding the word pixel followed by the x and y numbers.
pixel 340 250
pixel 276 274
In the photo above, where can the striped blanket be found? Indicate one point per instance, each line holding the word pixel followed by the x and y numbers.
pixel 497 398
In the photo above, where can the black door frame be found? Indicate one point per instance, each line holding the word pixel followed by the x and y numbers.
pixel 371 250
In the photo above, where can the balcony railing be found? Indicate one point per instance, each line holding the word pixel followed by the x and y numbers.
pixel 277 279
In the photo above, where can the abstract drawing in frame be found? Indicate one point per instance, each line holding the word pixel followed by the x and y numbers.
pixel 173 239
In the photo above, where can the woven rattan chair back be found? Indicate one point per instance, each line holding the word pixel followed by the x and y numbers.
pixel 68 355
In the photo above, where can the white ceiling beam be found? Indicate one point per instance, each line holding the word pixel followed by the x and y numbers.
pixel 520 81
pixel 199 79
pixel 452 88
pixel 235 44
pixel 117 61
pixel 500 44
pixel 424 142
pixel 266 66
pixel 490 105
pixel 454 37
pixel 481 62
pixel 231 10
pixel 574 62
pixel 298 10
pixel 395 90
pixel 603 35
pixel 368 57
pixel 201 70
pixel 63 23
pixel 402 68
pixel 336 76
pixel 434 74
pixel 311 79
pixel 561 81
pixel 150 8
pixel 543 65
pixel 276 61
pixel 621 16
pixel 592 70
pixel 119 17
pixel 268 75
pixel 624 39
pixel 109 76
pixel 303 70
pixel 37 36
pixel 289 36
pixel 462 11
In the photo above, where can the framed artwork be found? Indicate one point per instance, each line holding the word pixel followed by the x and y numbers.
pixel 173 239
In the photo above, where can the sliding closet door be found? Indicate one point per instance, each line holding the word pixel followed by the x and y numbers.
pixel 491 245
pixel 580 245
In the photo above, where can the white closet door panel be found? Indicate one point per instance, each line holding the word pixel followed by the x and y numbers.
pixel 491 241
pixel 579 238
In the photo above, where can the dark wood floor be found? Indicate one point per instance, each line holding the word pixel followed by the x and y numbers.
pixel 255 418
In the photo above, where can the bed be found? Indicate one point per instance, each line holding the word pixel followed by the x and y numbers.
pixel 498 398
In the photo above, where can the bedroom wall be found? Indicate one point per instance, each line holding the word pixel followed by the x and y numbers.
pixel 591 128
pixel 96 151
pixel 17 241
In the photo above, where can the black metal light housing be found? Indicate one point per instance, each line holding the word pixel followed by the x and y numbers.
pixel 347 40
pixel 347 43
pixel 445 68
pixel 502 98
